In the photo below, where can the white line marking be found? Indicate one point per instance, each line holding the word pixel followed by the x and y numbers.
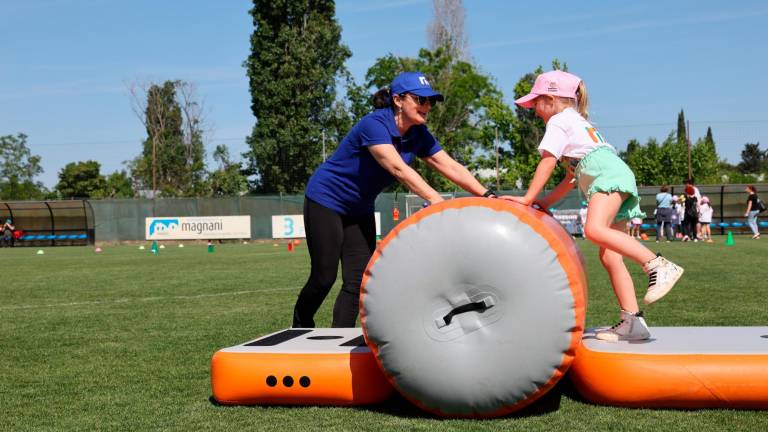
pixel 128 300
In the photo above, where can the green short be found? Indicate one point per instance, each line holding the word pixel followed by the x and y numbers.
pixel 601 170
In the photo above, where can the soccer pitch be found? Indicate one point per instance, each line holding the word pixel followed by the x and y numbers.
pixel 122 340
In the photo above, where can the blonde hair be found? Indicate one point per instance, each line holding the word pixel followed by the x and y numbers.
pixel 582 100
pixel 580 103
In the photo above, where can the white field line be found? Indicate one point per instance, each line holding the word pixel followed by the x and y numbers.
pixel 144 299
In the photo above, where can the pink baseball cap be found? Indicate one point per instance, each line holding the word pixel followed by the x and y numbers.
pixel 554 83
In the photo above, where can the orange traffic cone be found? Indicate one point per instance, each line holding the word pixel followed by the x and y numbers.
pixel 290 246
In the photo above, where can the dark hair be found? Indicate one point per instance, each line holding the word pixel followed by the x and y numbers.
pixel 689 181
pixel 664 188
pixel 382 99
pixel 752 188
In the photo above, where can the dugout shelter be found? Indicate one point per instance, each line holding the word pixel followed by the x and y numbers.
pixel 50 223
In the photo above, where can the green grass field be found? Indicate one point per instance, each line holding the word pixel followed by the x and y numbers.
pixel 122 340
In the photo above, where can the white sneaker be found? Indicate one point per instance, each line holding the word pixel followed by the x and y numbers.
pixel 662 275
pixel 631 327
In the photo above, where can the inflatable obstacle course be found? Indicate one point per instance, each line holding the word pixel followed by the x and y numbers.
pixel 299 367
pixel 679 367
pixel 474 307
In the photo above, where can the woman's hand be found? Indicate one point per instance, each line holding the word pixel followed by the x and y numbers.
pixel 518 199
pixel 436 199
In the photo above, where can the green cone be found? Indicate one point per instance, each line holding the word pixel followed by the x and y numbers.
pixel 729 240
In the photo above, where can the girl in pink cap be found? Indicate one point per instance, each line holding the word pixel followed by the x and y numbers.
pixel 560 99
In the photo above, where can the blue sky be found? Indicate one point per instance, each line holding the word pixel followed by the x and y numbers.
pixel 65 64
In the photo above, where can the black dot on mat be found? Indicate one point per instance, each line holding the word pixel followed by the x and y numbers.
pixel 271 381
pixel 304 381
pixel 288 381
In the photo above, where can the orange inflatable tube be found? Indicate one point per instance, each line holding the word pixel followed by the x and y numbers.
pixel 299 367
pixel 679 367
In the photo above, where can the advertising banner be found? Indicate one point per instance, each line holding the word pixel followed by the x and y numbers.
pixel 292 226
pixel 198 228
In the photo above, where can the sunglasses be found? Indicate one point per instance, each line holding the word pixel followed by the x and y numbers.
pixel 423 100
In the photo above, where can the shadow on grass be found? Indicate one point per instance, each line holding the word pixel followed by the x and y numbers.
pixel 399 406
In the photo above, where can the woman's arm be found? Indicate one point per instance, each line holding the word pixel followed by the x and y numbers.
pixel 443 163
pixel 749 206
pixel 390 160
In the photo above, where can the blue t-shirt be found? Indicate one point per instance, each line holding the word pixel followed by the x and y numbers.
pixel 349 181
pixel 663 200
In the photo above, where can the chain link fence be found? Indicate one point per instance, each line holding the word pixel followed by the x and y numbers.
pixel 123 220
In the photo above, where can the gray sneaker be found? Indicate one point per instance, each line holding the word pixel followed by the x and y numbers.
pixel 662 275
pixel 631 327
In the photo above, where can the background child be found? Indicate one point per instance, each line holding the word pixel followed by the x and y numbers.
pixel 560 99
pixel 636 222
pixel 705 218
pixel 680 210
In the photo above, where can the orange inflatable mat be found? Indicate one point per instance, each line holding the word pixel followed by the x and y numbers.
pixel 679 367
pixel 299 367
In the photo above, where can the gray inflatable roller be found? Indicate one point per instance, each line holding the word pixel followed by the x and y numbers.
pixel 474 307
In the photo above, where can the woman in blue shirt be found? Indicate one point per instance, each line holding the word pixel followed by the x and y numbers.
pixel 340 196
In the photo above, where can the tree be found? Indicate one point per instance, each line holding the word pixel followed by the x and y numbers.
pixel 228 180
pixel 296 58
pixel 118 185
pixel 81 180
pixel 18 169
pixel 645 163
pixel 682 134
pixel 447 29
pixel 753 160
pixel 172 161
pixel 667 163
pixel 704 160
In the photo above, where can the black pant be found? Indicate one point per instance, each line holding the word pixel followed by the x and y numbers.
pixel 689 226
pixel 332 237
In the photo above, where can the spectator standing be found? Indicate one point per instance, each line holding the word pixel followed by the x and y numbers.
pixel 754 207
pixel 8 229
pixel 691 217
pixel 664 212
pixel 697 194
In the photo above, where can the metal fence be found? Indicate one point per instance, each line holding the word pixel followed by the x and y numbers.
pixel 123 220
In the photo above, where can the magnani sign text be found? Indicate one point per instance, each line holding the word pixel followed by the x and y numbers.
pixel 192 228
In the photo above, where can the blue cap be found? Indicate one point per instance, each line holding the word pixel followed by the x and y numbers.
pixel 415 83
